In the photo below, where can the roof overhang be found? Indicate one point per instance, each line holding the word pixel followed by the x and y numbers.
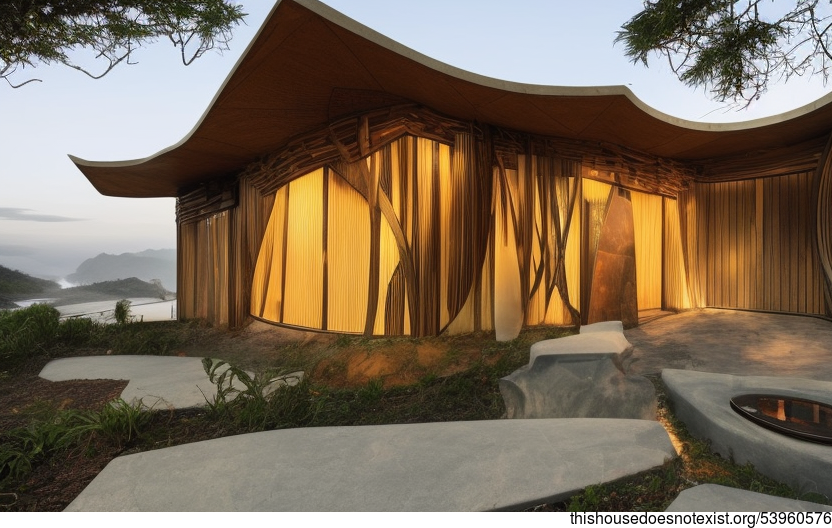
pixel 309 64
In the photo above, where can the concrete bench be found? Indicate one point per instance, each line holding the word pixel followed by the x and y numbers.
pixel 580 376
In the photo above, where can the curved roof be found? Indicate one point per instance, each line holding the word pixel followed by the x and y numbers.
pixel 309 64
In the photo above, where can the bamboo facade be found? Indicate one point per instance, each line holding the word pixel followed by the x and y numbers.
pixel 753 245
pixel 342 184
pixel 404 222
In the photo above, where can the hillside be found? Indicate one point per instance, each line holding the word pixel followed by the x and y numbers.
pixel 16 285
pixel 145 265
pixel 111 290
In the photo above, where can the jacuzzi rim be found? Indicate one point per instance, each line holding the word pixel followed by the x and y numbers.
pixel 772 426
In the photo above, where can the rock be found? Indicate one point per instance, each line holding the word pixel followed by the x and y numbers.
pixel 579 376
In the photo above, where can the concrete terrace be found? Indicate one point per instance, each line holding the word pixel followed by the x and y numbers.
pixel 458 466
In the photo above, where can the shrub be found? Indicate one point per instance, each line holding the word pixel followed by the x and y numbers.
pixel 79 331
pixel 122 312
pixel 28 331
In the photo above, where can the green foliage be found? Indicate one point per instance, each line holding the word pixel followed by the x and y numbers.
pixel 590 499
pixel 257 402
pixel 244 402
pixel 157 338
pixel 122 312
pixel 735 48
pixel 120 422
pixel 79 331
pixel 37 331
pixel 23 448
pixel 14 282
pixel 53 432
pixel 28 331
pixel 44 32
pixel 372 392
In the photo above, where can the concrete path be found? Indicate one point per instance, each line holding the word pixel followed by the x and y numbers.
pixel 701 401
pixel 453 466
pixel 715 498
pixel 159 381
pixel 734 342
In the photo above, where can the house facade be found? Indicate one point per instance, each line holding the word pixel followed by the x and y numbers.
pixel 342 182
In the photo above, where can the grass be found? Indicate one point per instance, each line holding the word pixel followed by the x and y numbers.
pixel 38 331
pixel 52 432
pixel 461 385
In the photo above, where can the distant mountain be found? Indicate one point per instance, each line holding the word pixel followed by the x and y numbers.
pixel 146 265
pixel 16 285
pixel 111 290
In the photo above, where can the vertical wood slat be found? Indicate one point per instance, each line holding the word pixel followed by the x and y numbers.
pixel 755 245
pixel 664 256
pixel 689 239
pixel 822 232
pixel 760 297
pixel 794 239
pixel 676 292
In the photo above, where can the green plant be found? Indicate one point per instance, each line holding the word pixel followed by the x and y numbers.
pixel 28 331
pixel 153 338
pixel 588 500
pixel 121 313
pixel 372 392
pixel 257 402
pixel 22 448
pixel 78 331
pixel 120 422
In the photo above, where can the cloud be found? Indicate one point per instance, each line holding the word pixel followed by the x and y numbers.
pixel 15 213
pixel 12 250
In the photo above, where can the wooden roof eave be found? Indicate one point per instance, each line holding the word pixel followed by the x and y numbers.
pixel 259 108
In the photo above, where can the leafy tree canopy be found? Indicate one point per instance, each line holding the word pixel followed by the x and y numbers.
pixel 733 48
pixel 47 31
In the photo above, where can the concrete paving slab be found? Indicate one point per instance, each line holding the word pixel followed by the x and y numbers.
pixel 701 401
pixel 452 466
pixel 734 342
pixel 715 498
pixel 604 326
pixel 159 381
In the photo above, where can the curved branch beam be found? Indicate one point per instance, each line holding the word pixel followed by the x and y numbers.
pixel 823 223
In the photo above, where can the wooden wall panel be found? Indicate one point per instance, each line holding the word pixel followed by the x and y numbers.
pixel 648 227
pixel 725 242
pixel 675 291
pixel 407 219
pixel 754 244
pixel 792 279
pixel 204 254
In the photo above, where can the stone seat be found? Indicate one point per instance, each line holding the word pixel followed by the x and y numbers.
pixel 580 376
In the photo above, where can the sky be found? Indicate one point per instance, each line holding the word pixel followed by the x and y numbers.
pixel 51 218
